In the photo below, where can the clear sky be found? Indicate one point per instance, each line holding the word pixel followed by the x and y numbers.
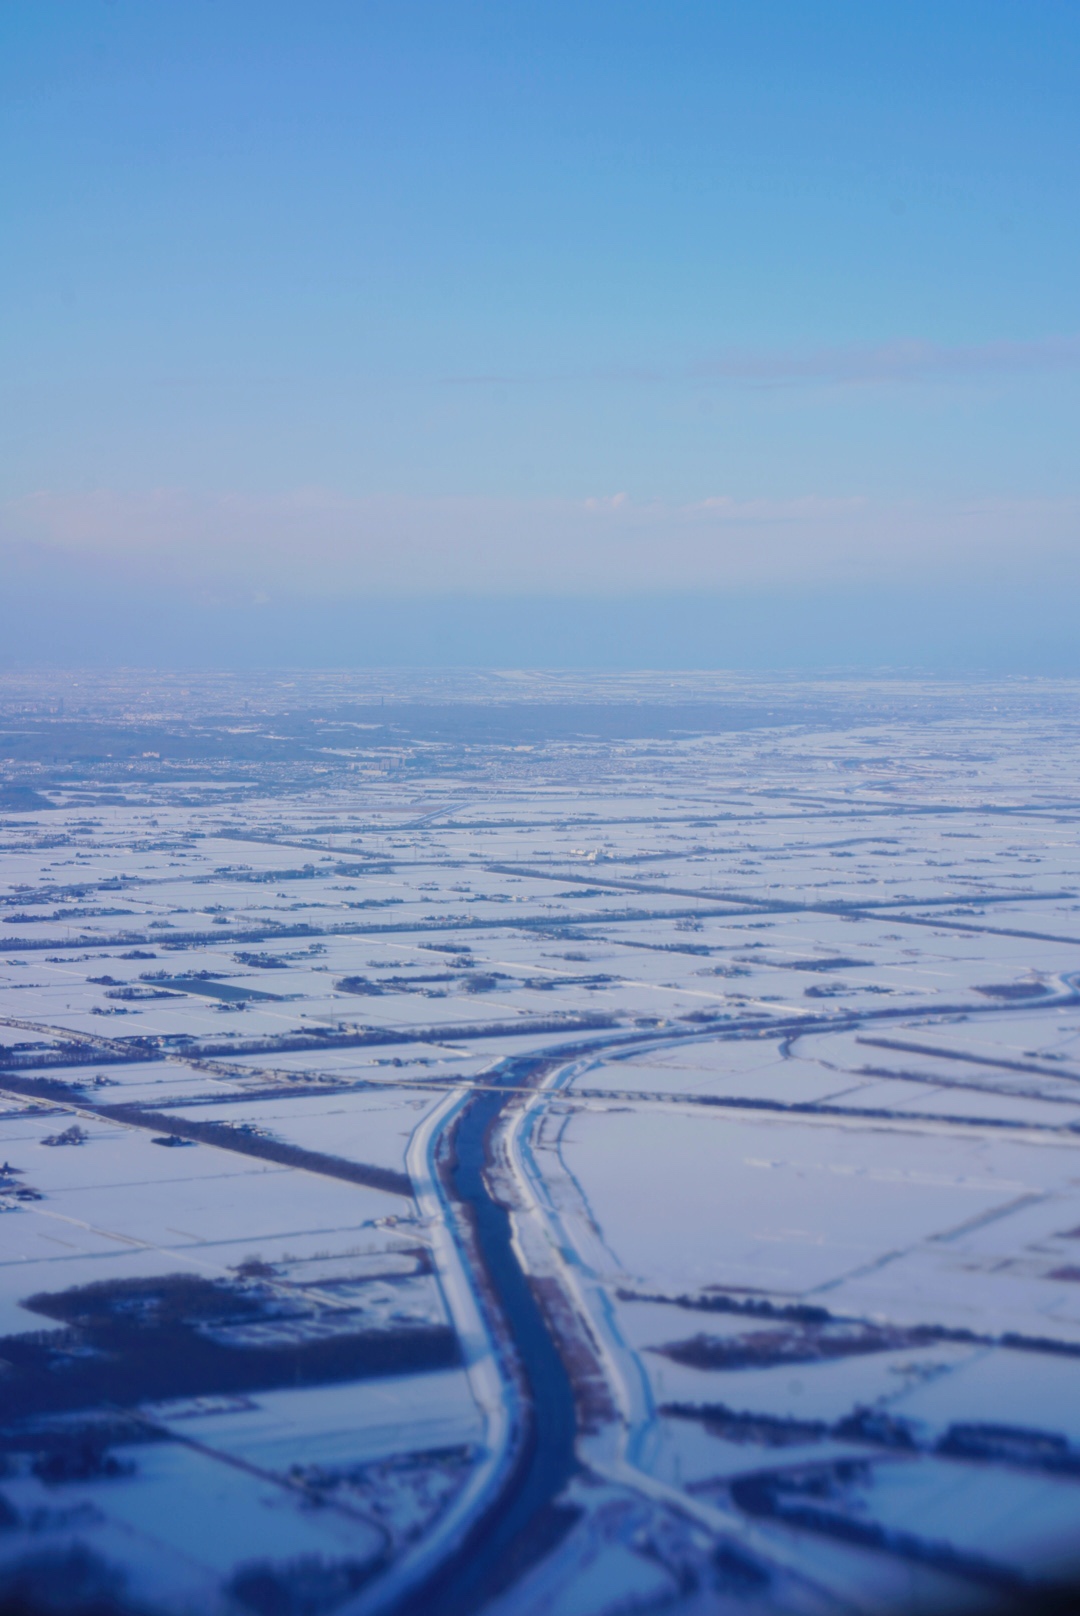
pixel 348 304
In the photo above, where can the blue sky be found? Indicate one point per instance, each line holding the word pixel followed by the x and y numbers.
pixel 373 301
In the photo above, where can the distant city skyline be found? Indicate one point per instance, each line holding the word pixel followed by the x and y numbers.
pixel 353 309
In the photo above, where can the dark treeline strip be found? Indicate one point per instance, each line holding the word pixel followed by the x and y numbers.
pixel 1000 1061
pixel 861 910
pixel 801 1313
pixel 133 1365
pixel 697 1024
pixel 811 1108
pixel 721 819
pixel 303 929
pixel 223 1137
pixel 113 1053
pixel 1020 1446
pixel 366 1037
pixel 218 1134
pixel 546 923
pixel 793 1500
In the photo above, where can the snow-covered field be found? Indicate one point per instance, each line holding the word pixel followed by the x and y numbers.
pixel 780 985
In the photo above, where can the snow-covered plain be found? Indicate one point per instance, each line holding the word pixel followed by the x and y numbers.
pixel 780 981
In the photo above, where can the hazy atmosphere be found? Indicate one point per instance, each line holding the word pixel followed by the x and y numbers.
pixel 539 670
pixel 711 335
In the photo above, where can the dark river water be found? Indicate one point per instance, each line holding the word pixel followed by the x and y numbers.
pixel 522 1523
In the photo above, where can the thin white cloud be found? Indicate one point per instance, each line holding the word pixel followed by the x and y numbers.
pixel 914 360
pixel 900 361
pixel 313 543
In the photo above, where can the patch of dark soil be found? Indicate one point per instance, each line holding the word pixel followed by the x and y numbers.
pixel 66 1582
pixel 763 1430
pixel 1014 990
pixel 1012 1445
pixel 838 963
pixel 62 1449
pixel 737 1572
pixel 148 1340
pixel 80 1461
pixel 194 1130
pixel 809 1343
pixel 16 799
pixel 868 1425
pixel 835 1500
pixel 754 1307
pixel 308 1586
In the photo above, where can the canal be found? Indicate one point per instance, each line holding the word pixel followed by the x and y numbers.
pixel 523 1518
